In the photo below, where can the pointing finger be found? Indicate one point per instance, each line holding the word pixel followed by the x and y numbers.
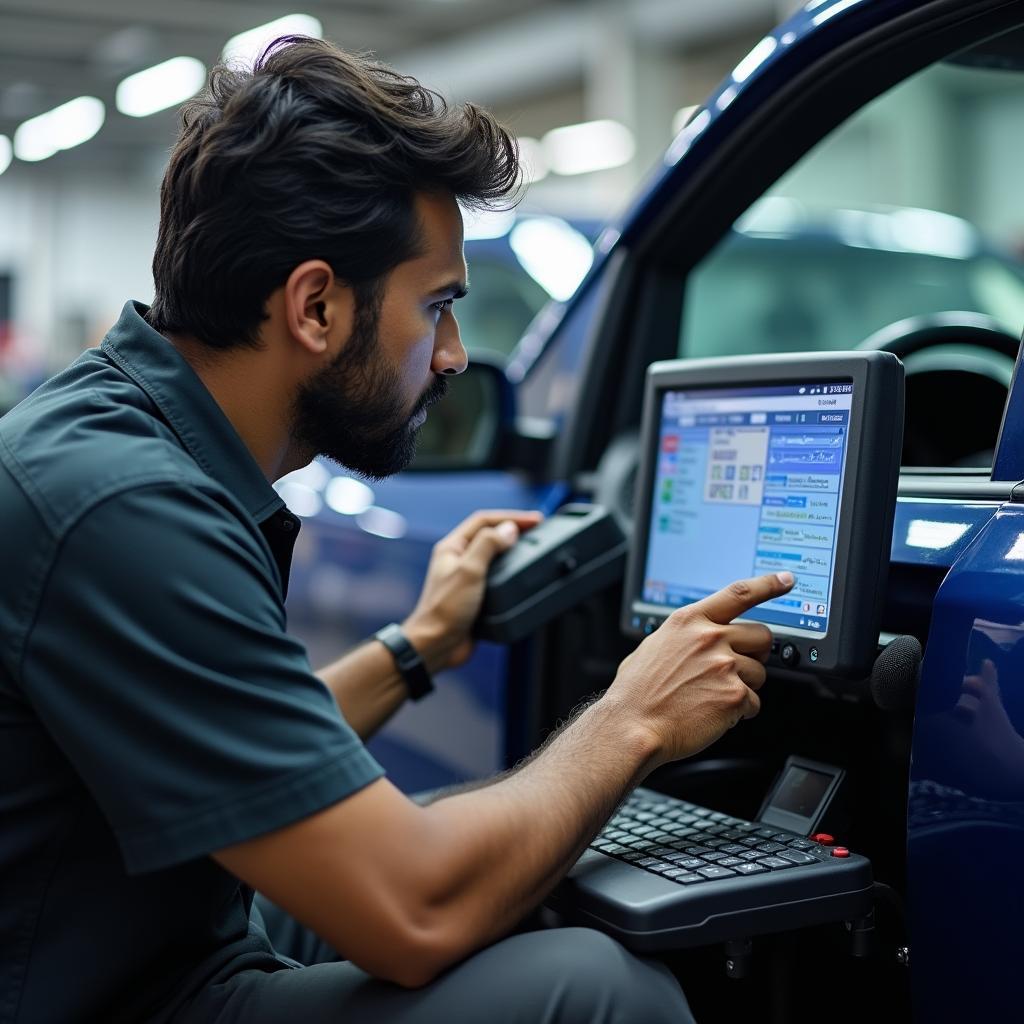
pixel 741 596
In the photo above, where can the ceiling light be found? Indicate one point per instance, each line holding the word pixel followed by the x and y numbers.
pixel 591 146
pixel 68 125
pixel 5 153
pixel 383 522
pixel 161 86
pixel 248 45
pixel 477 224
pixel 300 499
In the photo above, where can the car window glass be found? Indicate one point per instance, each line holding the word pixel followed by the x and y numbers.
pixel 502 301
pixel 912 206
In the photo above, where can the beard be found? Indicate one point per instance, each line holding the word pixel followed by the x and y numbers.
pixel 351 411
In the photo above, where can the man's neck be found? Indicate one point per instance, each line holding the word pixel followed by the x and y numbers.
pixel 248 389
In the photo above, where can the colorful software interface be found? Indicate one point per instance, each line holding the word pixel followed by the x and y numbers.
pixel 748 481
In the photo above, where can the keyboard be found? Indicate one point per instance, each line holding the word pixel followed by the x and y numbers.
pixel 666 874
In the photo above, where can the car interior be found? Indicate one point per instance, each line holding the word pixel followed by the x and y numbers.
pixel 887 274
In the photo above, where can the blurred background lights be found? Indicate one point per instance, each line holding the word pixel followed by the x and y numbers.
pixel 64 127
pixel 553 253
pixel 532 161
pixel 478 224
pixel 590 146
pixel 383 522
pixel 161 86
pixel 348 496
pixel 300 499
pixel 6 153
pixel 247 46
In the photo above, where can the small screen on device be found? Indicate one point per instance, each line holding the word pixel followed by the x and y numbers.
pixel 800 791
pixel 748 481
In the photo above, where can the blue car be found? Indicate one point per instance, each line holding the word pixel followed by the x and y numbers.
pixel 854 183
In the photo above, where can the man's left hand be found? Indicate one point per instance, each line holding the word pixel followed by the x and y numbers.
pixel 439 626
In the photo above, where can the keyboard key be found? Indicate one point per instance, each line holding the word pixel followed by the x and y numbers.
pixel 750 855
pixel 697 851
pixel 648 862
pixel 802 844
pixel 612 848
pixel 732 848
pixel 731 833
pixel 749 841
pixel 730 862
pixel 690 879
pixel 671 872
pixel 692 863
pixel 797 857
pixel 774 863
pixel 714 871
pixel 702 812
pixel 715 855
pixel 783 837
pixel 765 833
pixel 718 816
pixel 769 847
pixel 747 868
pixel 634 856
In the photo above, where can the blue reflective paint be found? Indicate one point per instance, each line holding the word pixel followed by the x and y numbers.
pixel 930 531
pixel 965 835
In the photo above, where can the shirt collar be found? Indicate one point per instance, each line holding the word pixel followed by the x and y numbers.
pixel 157 367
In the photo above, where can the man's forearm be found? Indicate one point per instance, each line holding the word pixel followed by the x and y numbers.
pixel 366 684
pixel 509 843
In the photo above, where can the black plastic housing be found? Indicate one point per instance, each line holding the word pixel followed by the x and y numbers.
pixel 866 508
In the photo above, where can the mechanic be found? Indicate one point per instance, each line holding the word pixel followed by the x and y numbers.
pixel 165 748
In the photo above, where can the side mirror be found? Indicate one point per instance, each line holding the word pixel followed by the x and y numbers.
pixel 469 427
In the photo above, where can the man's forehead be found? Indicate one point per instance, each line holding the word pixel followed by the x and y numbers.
pixel 441 237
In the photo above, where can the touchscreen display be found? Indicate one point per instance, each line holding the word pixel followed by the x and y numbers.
pixel 800 791
pixel 748 481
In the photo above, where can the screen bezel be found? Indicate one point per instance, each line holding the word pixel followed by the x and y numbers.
pixel 865 531
pixel 804 824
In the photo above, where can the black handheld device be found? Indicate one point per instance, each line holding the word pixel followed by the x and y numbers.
pixel 758 464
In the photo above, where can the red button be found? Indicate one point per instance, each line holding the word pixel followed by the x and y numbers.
pixel 824 838
pixel 840 851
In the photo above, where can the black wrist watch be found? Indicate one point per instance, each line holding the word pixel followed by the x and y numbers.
pixel 408 660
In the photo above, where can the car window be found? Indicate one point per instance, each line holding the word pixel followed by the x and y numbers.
pixel 912 206
pixel 502 301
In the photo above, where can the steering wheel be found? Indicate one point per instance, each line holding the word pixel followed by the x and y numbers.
pixel 953 360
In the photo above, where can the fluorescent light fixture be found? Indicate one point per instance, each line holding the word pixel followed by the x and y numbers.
pixel 348 497
pixel 591 146
pixel 929 533
pixel 478 224
pixel 383 522
pixel 300 499
pixel 247 46
pixel 64 127
pixel 6 153
pixel 532 161
pixel 161 86
pixel 553 253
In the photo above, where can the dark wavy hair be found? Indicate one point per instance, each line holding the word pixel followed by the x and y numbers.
pixel 314 153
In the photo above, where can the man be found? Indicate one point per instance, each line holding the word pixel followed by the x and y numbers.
pixel 166 748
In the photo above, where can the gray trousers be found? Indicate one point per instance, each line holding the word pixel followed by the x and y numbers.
pixel 554 976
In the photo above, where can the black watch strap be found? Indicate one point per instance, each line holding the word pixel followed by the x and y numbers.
pixel 408 660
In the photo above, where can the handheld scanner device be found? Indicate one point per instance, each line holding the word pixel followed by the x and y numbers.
pixel 757 464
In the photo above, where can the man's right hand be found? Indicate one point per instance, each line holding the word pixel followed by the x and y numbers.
pixel 699 674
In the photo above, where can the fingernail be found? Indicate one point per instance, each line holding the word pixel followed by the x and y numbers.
pixel 508 531
pixel 785 578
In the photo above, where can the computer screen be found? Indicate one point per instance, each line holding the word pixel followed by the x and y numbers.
pixel 749 480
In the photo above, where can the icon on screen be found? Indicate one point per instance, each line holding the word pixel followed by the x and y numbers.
pixel 802 390
pixel 821 609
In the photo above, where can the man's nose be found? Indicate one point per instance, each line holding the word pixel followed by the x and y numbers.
pixel 449 354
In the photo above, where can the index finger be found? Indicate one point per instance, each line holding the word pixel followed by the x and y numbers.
pixel 471 526
pixel 739 597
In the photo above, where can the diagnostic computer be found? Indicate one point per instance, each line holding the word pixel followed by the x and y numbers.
pixel 753 465
pixel 758 464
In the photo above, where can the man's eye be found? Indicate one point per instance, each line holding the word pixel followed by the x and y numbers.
pixel 443 305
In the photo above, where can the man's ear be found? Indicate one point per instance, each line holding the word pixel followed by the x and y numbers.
pixel 318 308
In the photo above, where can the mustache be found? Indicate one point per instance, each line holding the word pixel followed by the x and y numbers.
pixel 437 390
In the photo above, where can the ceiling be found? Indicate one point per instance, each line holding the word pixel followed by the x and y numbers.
pixel 54 50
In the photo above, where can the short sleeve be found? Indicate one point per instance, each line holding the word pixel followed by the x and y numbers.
pixel 160 663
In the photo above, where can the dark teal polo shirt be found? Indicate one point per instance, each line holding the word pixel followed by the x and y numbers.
pixel 153 707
